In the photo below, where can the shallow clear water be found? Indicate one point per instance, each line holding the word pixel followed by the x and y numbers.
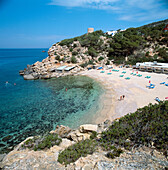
pixel 35 107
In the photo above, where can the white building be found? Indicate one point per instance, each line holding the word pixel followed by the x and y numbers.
pixel 153 67
pixel 112 33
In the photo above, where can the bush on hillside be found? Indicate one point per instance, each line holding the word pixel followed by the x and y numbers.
pixel 100 58
pixel 73 59
pixel 146 126
pixel 74 152
pixel 42 142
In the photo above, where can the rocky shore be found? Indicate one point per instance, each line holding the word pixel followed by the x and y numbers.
pixel 138 158
pixel 47 68
pixel 62 55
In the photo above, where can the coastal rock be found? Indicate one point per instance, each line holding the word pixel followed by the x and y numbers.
pixel 21 72
pixel 103 126
pixel 47 76
pixel 29 77
pixel 30 160
pixel 62 131
pixel 35 75
pixel 66 143
pixel 55 149
pixel 88 128
pixel 2 156
pixel 76 136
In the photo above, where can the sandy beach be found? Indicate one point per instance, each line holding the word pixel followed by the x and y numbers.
pixel 136 93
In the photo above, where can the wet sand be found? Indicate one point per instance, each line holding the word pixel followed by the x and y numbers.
pixel 137 95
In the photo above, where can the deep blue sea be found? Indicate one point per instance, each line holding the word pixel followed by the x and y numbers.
pixel 33 107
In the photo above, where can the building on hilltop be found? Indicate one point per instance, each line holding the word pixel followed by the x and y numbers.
pixel 90 30
pixel 112 33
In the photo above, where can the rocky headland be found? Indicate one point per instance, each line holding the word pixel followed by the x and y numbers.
pixel 141 157
pixel 58 56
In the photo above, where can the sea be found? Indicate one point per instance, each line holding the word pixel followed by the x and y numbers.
pixel 35 107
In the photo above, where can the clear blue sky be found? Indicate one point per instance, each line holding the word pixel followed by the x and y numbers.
pixel 40 23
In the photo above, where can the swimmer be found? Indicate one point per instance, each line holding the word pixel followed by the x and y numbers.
pixel 6 83
pixel 14 84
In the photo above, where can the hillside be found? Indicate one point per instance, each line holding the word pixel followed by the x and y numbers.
pixel 147 126
pixel 142 44
pixel 145 43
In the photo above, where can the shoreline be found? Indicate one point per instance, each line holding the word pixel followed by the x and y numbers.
pixel 137 95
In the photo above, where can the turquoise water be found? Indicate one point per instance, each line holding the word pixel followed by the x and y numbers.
pixel 36 107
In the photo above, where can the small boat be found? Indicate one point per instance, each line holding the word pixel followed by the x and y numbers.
pixel 43 51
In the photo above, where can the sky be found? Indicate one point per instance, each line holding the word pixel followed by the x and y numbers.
pixel 41 23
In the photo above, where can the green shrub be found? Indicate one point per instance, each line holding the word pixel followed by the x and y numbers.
pixel 100 58
pixel 73 59
pixel 146 125
pixel 108 62
pixel 92 52
pixel 74 152
pixel 94 134
pixel 115 153
pixel 57 57
pixel 74 53
pixel 39 143
pixel 84 64
pixel 90 62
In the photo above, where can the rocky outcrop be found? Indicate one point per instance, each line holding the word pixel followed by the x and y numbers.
pixel 47 70
pixel 62 131
pixel 76 136
pixel 88 128
pixel 73 55
pixel 138 158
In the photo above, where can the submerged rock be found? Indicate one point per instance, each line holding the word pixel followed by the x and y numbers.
pixel 7 138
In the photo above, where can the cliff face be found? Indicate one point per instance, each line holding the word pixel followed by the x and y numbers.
pixel 138 158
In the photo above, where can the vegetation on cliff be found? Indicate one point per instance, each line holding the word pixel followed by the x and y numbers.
pixel 147 126
pixel 42 142
pixel 133 43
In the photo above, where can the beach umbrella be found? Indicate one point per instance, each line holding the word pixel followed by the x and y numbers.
pixel 149 81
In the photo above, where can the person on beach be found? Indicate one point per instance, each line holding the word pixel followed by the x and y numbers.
pixel 123 97
pixel 120 98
